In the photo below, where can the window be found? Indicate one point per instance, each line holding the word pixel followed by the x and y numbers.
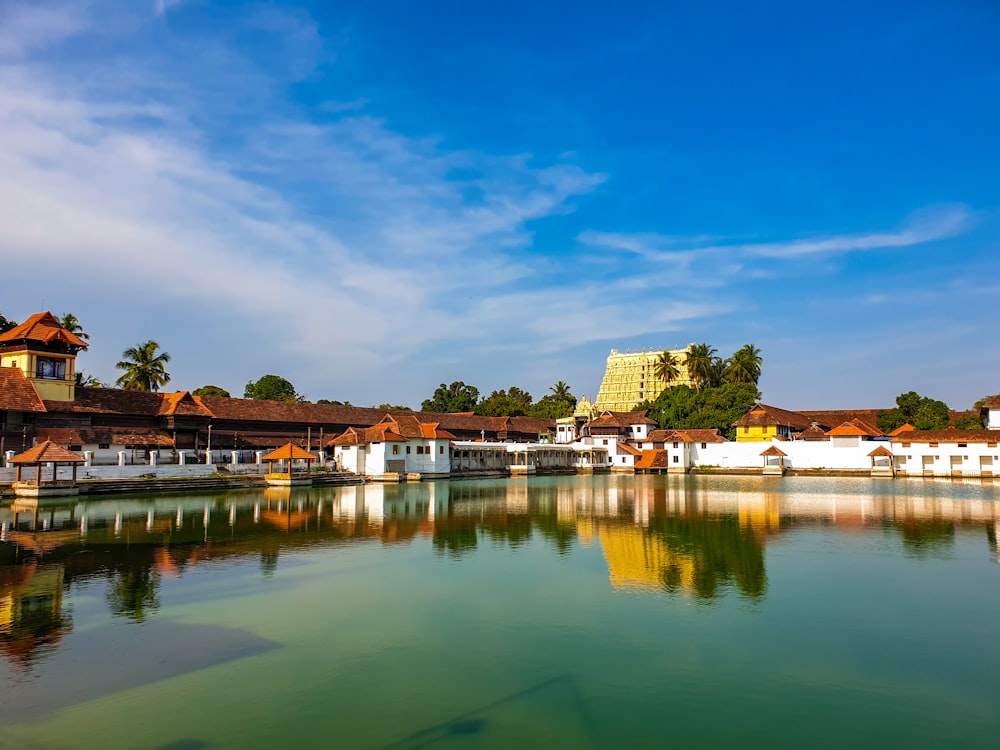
pixel 420 449
pixel 676 458
pixel 675 444
pixel 395 450
pixel 50 369
pixel 605 442
pixel 75 448
pixel 407 449
pixel 991 445
pixel 103 446
pixel 933 445
pixel 906 445
pixel 704 445
pixel 963 445
pixel 441 450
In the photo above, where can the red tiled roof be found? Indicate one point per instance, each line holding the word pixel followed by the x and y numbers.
pixel 703 435
pixel 111 401
pixel 625 448
pixel 903 428
pixel 773 451
pixel 832 417
pixel 17 393
pixel 855 428
pixel 47 452
pixel 653 460
pixel 621 419
pixel 109 435
pixel 183 403
pixel 813 432
pixel 289 451
pixel 993 403
pixel 951 435
pixel 881 451
pixel 42 327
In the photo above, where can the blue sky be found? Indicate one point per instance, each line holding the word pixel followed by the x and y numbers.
pixel 372 198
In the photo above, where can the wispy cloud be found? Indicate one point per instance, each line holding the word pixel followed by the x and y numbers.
pixel 162 6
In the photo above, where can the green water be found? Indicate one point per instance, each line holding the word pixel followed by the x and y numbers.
pixel 571 612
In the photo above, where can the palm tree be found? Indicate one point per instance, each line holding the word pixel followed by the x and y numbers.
pixel 701 364
pixel 144 368
pixel 72 324
pixel 744 365
pixel 561 391
pixel 666 368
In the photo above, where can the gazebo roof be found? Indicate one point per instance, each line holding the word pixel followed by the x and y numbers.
pixel 289 451
pixel 773 451
pixel 47 452
pixel 881 451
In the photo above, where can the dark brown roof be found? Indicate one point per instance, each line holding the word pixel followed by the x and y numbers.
pixel 17 393
pixel 42 327
pixel 951 435
pixel 111 401
pixel 251 410
pixel 110 435
pixel 993 403
pixel 813 432
pixel 384 432
pixel 773 451
pixel 47 452
pixel 829 418
pixel 762 415
pixel 881 451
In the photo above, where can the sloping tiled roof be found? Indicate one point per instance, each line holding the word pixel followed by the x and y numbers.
pixel 111 401
pixel 813 432
pixel 993 403
pixel 289 451
pixel 881 451
pixel 855 428
pixel 653 460
pixel 17 393
pixel 384 432
pixel 42 327
pixel 901 429
pixel 832 417
pixel 773 451
pixel 47 452
pixel 622 419
pixel 108 435
pixel 183 403
pixel 703 436
pixel 950 435
pixel 251 410
pixel 625 448
pixel 762 415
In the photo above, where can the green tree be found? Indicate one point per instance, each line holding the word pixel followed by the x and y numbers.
pixel 561 390
pixel 334 403
pixel 83 380
pixel 744 366
pixel 452 398
pixel 72 324
pixel 705 408
pixel 667 368
pixel 702 365
pixel 512 402
pixel 922 412
pixel 145 370
pixel 271 388
pixel 6 324
pixel 211 390
pixel 968 422
pixel 393 407
pixel 983 401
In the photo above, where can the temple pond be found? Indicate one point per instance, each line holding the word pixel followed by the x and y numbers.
pixel 577 612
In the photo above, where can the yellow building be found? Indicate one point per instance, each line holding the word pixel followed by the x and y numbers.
pixel 45 353
pixel 762 423
pixel 630 379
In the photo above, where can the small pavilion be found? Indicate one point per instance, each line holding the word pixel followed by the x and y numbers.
pixel 45 453
pixel 289 453
pixel 774 460
pixel 882 462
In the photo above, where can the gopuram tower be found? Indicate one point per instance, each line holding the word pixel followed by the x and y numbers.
pixel 630 379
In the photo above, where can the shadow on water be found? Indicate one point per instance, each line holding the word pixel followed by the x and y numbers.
pixel 555 704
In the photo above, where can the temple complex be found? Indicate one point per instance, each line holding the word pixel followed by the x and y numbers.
pixel 630 379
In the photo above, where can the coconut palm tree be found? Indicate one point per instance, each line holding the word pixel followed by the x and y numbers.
pixel 666 368
pixel 744 365
pixel 701 364
pixel 72 324
pixel 561 391
pixel 144 368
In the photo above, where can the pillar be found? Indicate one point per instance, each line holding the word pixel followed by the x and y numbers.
pixel 121 458
pixel 7 457
pixel 208 457
pixel 235 457
pixel 260 457
pixel 181 457
pixel 153 456
pixel 88 458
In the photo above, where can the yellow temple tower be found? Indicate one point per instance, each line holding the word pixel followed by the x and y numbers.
pixel 630 379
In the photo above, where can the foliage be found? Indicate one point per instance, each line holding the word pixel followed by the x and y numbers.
pixel 72 324
pixel 456 397
pixel 553 407
pixel 83 380
pixel 702 365
pixel 145 370
pixel 922 412
pixel 6 324
pixel 271 388
pixel 983 401
pixel 744 366
pixel 392 407
pixel 666 367
pixel 334 403
pixel 512 402
pixel 968 422
pixel 211 390
pixel 703 408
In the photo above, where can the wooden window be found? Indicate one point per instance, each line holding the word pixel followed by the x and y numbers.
pixel 933 445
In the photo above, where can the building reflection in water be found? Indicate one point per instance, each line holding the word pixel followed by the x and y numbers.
pixel 696 537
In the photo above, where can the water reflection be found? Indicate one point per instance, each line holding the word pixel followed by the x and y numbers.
pixel 697 537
